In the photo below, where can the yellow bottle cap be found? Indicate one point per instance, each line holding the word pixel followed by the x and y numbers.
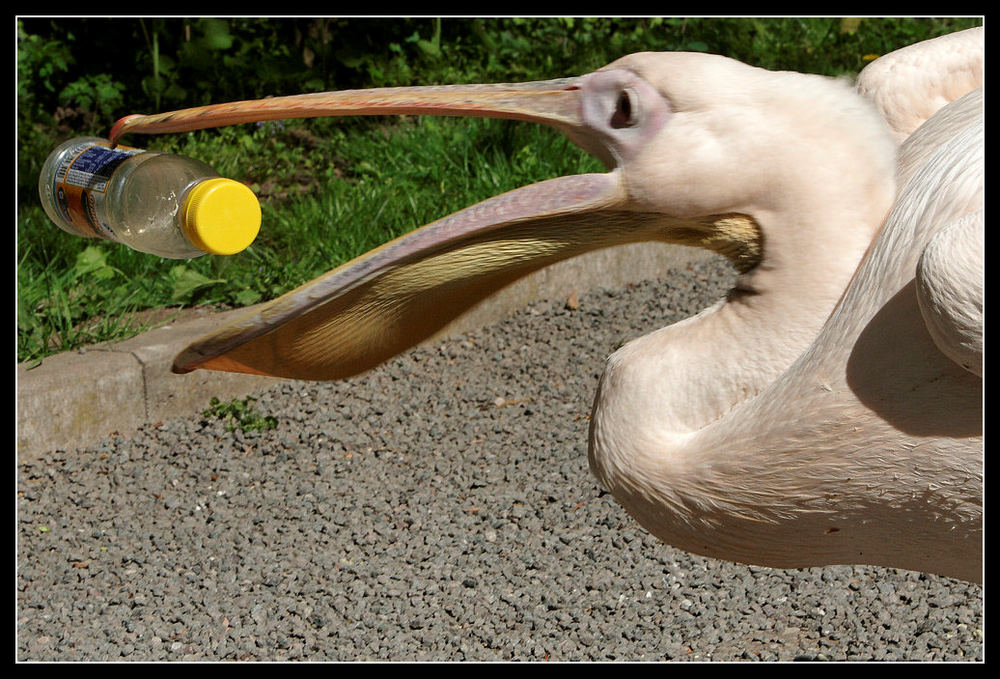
pixel 221 216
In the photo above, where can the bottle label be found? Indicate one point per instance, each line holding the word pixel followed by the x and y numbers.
pixel 80 183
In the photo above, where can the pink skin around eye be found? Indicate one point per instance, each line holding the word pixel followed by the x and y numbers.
pixel 622 111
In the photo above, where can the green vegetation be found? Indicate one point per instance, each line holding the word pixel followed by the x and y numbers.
pixel 330 189
pixel 240 414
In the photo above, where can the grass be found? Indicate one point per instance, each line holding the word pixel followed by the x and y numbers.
pixel 330 190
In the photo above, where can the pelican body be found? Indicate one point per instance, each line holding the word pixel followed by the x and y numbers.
pixel 828 411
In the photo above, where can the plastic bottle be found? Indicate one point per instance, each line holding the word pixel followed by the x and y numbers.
pixel 159 203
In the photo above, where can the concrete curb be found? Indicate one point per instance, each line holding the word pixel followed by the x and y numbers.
pixel 76 398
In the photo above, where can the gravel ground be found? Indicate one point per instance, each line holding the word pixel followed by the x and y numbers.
pixel 437 508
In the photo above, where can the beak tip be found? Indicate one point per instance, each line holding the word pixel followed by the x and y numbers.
pixel 119 128
pixel 181 369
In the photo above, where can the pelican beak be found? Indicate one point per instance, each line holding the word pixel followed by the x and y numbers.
pixel 376 306
pixel 552 102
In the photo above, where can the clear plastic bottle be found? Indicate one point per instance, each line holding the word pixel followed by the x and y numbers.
pixel 160 203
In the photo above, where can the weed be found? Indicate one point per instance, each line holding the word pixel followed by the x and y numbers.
pixel 240 414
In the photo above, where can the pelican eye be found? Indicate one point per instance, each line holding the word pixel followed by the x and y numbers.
pixel 622 117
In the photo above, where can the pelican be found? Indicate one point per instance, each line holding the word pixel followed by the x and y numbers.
pixel 827 411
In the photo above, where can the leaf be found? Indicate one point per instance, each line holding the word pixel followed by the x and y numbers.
pixel 92 262
pixel 174 92
pixel 89 259
pixel 216 34
pixel 247 297
pixel 187 281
